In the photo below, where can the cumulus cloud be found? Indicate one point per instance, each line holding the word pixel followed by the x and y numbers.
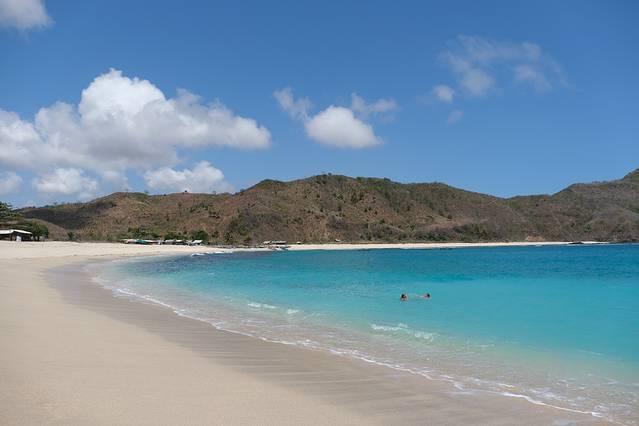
pixel 127 121
pixel 66 181
pixel 9 182
pixel 23 14
pixel 18 139
pixel 202 178
pixel 455 116
pixel 122 123
pixel 337 126
pixel 479 63
pixel 444 93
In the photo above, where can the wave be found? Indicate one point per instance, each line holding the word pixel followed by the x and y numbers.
pixel 386 327
pixel 261 305
pixel 403 329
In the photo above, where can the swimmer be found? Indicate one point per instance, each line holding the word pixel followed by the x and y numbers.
pixel 403 297
pixel 427 296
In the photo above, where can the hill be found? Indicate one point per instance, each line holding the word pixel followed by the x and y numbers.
pixel 328 207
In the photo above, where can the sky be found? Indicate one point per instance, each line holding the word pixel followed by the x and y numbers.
pixel 496 97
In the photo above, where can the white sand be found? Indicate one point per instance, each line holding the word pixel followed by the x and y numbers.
pixel 34 250
pixel 60 364
pixel 50 249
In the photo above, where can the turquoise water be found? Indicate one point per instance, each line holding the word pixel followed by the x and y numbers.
pixel 555 325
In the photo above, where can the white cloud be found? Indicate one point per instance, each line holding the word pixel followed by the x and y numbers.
pixel 18 140
pixel 128 121
pixel 122 123
pixel 296 108
pixel 528 74
pixel 23 14
pixel 363 109
pixel 336 125
pixel 116 179
pixel 478 63
pixel 444 93
pixel 9 182
pixel 202 178
pixel 477 82
pixel 66 181
pixel 455 116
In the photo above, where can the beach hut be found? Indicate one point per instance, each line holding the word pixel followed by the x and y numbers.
pixel 15 235
pixel 277 245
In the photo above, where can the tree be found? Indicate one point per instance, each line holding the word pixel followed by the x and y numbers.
pixel 38 230
pixel 6 212
pixel 139 232
pixel 228 238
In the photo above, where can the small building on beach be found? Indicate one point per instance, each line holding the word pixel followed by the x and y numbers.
pixel 15 235
pixel 275 245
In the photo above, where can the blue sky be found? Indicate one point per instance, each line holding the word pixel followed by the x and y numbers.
pixel 499 97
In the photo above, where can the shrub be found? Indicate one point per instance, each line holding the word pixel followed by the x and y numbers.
pixel 200 235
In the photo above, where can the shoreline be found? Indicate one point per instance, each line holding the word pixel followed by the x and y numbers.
pixel 49 249
pixel 83 356
pixel 425 246
pixel 294 383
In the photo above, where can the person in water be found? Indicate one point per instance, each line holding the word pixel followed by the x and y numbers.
pixel 403 297
pixel 427 296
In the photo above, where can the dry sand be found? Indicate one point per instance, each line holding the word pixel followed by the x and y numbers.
pixel 29 250
pixel 51 249
pixel 71 353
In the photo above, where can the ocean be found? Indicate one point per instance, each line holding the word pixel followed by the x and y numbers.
pixel 556 325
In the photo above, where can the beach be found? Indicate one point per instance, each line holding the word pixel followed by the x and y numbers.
pixel 74 354
pixel 58 249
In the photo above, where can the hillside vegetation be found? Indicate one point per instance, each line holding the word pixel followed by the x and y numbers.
pixel 328 207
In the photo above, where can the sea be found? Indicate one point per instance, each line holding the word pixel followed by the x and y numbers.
pixel 554 325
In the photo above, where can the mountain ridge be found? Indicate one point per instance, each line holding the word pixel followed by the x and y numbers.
pixel 325 208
